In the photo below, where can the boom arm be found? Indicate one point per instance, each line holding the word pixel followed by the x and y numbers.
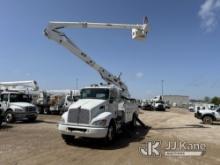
pixel 53 32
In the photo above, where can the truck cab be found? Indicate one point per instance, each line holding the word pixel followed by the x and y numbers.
pixel 99 113
pixel 17 106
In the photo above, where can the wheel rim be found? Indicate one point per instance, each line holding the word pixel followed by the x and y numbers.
pixel 9 117
pixel 207 120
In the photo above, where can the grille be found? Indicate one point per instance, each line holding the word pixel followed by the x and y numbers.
pixel 30 109
pixel 80 116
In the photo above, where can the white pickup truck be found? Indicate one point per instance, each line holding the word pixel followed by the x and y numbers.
pixel 208 116
pixel 17 106
pixel 99 113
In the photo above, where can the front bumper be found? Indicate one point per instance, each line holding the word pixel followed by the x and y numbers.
pixel 25 115
pixel 198 115
pixel 82 131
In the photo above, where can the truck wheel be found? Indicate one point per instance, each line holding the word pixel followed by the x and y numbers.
pixel 40 109
pixel 207 120
pixel 47 111
pixel 67 138
pixel 9 117
pixel 111 133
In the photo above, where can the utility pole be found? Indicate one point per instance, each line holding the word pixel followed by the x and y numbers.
pixel 162 81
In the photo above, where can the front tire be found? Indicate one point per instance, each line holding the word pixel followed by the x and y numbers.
pixel 110 137
pixel 32 119
pixel 67 138
pixel 9 117
pixel 207 120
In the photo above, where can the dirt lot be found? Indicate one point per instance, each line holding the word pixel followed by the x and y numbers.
pixel 40 143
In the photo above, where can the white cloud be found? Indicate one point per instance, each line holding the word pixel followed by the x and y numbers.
pixel 209 14
pixel 139 74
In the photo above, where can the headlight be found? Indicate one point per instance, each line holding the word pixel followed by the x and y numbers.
pixel 100 122
pixel 62 120
pixel 19 110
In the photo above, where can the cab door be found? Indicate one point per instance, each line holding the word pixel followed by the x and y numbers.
pixel 113 102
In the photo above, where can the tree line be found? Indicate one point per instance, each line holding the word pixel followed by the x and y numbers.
pixel 214 100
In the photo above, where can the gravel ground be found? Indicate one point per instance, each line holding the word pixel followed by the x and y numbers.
pixel 40 143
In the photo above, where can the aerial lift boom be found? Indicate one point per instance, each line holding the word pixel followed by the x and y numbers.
pixel 53 32
pixel 19 85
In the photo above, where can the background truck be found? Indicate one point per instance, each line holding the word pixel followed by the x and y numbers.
pixel 102 110
pixel 30 87
pixel 17 106
pixel 158 104
pixel 208 116
pixel 60 100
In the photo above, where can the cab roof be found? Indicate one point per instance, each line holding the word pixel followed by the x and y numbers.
pixel 12 92
pixel 100 86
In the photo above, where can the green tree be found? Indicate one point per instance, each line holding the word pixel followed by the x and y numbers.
pixel 215 100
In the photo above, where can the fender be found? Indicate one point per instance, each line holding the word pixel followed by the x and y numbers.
pixel 105 115
pixel 209 114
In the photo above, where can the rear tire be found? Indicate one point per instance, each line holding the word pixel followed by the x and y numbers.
pixel 9 117
pixel 207 120
pixel 47 111
pixel 68 139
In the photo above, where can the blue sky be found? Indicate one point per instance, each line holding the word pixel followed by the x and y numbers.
pixel 182 48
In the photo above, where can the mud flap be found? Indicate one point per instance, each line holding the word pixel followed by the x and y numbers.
pixel 141 123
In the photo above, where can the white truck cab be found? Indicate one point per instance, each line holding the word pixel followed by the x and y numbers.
pixel 99 113
pixel 17 106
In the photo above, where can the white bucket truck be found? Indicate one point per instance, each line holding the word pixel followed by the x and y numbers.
pixel 15 104
pixel 102 110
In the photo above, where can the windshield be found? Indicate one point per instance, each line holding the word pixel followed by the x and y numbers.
pixel 19 98
pixel 162 102
pixel 95 94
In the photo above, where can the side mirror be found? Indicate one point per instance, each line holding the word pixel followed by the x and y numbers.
pixel 111 100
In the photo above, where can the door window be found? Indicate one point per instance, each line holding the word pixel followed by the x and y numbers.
pixel 4 97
